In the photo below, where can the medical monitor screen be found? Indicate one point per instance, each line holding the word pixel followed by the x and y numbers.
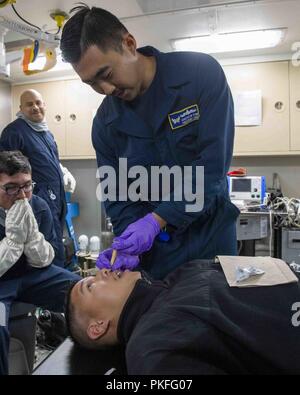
pixel 241 185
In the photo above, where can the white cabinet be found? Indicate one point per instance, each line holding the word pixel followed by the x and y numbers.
pixel 54 96
pixel 295 107
pixel 272 78
pixel 70 108
pixel 81 105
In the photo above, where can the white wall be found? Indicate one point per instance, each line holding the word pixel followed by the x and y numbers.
pixel 5 104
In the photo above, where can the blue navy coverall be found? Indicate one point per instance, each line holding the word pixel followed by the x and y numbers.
pixel 41 150
pixel 43 287
pixel 143 132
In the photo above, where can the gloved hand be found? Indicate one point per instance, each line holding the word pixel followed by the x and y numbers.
pixel 138 237
pixel 69 180
pixel 15 222
pixel 38 251
pixel 32 226
pixel 122 262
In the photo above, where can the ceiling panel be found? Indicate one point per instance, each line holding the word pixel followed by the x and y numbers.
pixel 154 6
pixel 155 22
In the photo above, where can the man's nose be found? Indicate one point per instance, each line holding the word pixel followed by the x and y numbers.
pixel 106 88
pixel 103 273
pixel 21 194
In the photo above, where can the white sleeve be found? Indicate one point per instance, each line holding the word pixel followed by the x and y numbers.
pixel 10 252
pixel 38 251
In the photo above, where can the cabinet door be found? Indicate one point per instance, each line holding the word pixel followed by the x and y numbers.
pixel 81 106
pixel 272 79
pixel 295 107
pixel 54 98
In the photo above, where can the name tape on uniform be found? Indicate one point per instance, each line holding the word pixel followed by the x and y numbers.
pixel 183 117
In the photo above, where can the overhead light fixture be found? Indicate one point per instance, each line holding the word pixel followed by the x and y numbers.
pixel 40 62
pixel 230 42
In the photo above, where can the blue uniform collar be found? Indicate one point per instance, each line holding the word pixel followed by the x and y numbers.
pixel 170 74
pixel 121 115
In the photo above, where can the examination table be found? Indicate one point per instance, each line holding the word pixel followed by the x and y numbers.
pixel 69 359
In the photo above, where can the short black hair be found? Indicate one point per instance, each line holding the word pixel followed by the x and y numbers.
pixel 74 326
pixel 14 162
pixel 70 313
pixel 87 27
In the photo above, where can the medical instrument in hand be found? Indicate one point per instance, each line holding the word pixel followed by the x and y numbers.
pixel 122 261
pixel 113 257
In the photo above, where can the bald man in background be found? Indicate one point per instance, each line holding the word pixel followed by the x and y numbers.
pixel 30 134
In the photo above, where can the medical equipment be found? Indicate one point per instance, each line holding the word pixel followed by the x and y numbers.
pixel 83 242
pixel 249 190
pixel 113 257
pixel 94 246
pixel 252 226
pixel 50 41
pixel 290 245
pixel 43 43
pixel 107 234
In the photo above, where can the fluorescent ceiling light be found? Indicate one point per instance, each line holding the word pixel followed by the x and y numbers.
pixel 231 42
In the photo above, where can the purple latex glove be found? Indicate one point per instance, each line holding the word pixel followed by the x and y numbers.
pixel 122 262
pixel 138 237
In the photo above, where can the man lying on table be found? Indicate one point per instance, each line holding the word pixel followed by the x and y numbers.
pixel 190 323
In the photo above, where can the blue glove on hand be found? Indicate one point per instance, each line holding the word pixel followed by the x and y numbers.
pixel 138 237
pixel 122 262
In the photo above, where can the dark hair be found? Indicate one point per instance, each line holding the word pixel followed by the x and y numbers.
pixel 74 326
pixel 87 27
pixel 70 313
pixel 13 162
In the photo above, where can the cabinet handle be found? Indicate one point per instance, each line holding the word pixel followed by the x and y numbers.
pixel 73 117
pixel 298 104
pixel 57 118
pixel 279 106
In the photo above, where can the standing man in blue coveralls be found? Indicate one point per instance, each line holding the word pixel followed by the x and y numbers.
pixel 138 120
pixel 27 248
pixel 30 134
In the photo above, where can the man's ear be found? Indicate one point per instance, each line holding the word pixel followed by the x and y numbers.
pixel 97 329
pixel 130 43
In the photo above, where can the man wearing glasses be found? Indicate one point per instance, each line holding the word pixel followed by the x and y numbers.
pixel 27 247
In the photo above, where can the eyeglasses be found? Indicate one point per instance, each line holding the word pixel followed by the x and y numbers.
pixel 13 190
